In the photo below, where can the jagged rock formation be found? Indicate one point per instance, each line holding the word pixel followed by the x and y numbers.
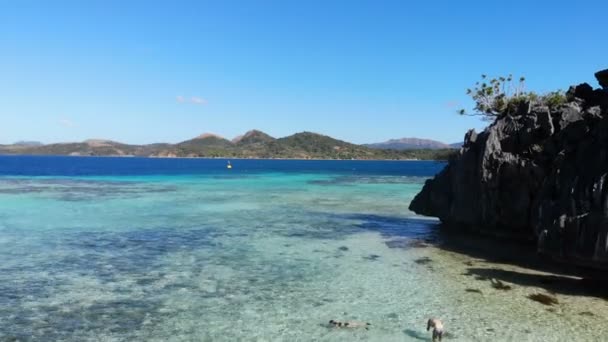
pixel 602 78
pixel 539 175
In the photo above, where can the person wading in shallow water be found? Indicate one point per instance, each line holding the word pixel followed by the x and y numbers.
pixel 437 328
pixel 349 324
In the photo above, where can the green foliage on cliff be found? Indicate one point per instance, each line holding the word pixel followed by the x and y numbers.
pixel 553 99
pixel 504 96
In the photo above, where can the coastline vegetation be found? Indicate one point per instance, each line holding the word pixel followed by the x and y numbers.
pixel 502 96
pixel 254 144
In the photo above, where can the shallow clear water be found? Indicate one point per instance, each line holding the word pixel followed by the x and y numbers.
pixel 207 254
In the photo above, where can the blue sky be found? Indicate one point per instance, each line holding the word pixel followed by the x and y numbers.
pixel 362 71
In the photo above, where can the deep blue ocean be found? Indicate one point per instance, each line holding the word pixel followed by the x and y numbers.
pixel 120 166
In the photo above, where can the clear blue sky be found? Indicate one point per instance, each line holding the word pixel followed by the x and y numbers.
pixel 362 71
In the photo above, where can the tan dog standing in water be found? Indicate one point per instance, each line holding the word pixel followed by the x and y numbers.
pixel 349 324
pixel 437 326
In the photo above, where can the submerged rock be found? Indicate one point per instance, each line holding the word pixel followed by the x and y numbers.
pixel 539 176
pixel 372 257
pixel 499 285
pixel 423 261
pixel 544 299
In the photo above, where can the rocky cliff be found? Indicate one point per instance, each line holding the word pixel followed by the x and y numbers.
pixel 539 175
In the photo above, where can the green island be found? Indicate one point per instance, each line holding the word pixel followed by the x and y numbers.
pixel 253 144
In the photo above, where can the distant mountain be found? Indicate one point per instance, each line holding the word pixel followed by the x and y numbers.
pixel 456 145
pixel 410 144
pixel 317 146
pixel 253 137
pixel 206 140
pixel 253 144
pixel 28 143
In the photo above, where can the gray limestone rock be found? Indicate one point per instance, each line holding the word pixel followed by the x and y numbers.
pixel 541 175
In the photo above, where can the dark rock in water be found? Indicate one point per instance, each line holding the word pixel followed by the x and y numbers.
pixel 372 257
pixel 397 243
pixel 587 313
pixel 406 243
pixel 417 244
pixel 499 285
pixel 544 299
pixel 540 177
pixel 343 248
pixel 474 291
pixel 423 261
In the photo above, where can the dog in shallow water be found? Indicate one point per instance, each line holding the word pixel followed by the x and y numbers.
pixel 349 324
pixel 437 326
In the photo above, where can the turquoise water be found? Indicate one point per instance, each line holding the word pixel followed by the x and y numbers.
pixel 219 256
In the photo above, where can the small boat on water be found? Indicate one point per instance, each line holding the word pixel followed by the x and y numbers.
pixel 229 166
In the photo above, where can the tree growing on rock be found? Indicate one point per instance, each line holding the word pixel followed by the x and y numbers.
pixel 502 96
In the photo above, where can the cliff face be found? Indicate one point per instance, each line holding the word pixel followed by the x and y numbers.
pixel 540 175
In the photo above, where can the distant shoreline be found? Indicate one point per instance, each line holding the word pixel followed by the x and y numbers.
pixel 252 145
pixel 209 158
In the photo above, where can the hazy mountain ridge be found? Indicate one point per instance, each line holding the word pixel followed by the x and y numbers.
pixel 28 143
pixel 253 144
pixel 410 144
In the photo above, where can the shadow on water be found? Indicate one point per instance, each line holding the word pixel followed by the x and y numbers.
pixel 561 284
pixel 496 250
pixel 400 232
pixel 433 232
pixel 407 232
pixel 491 249
pixel 416 335
pixel 394 227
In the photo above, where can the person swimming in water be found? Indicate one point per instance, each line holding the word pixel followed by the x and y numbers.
pixel 349 324
pixel 437 326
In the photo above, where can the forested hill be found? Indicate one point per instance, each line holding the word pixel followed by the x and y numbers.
pixel 253 144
